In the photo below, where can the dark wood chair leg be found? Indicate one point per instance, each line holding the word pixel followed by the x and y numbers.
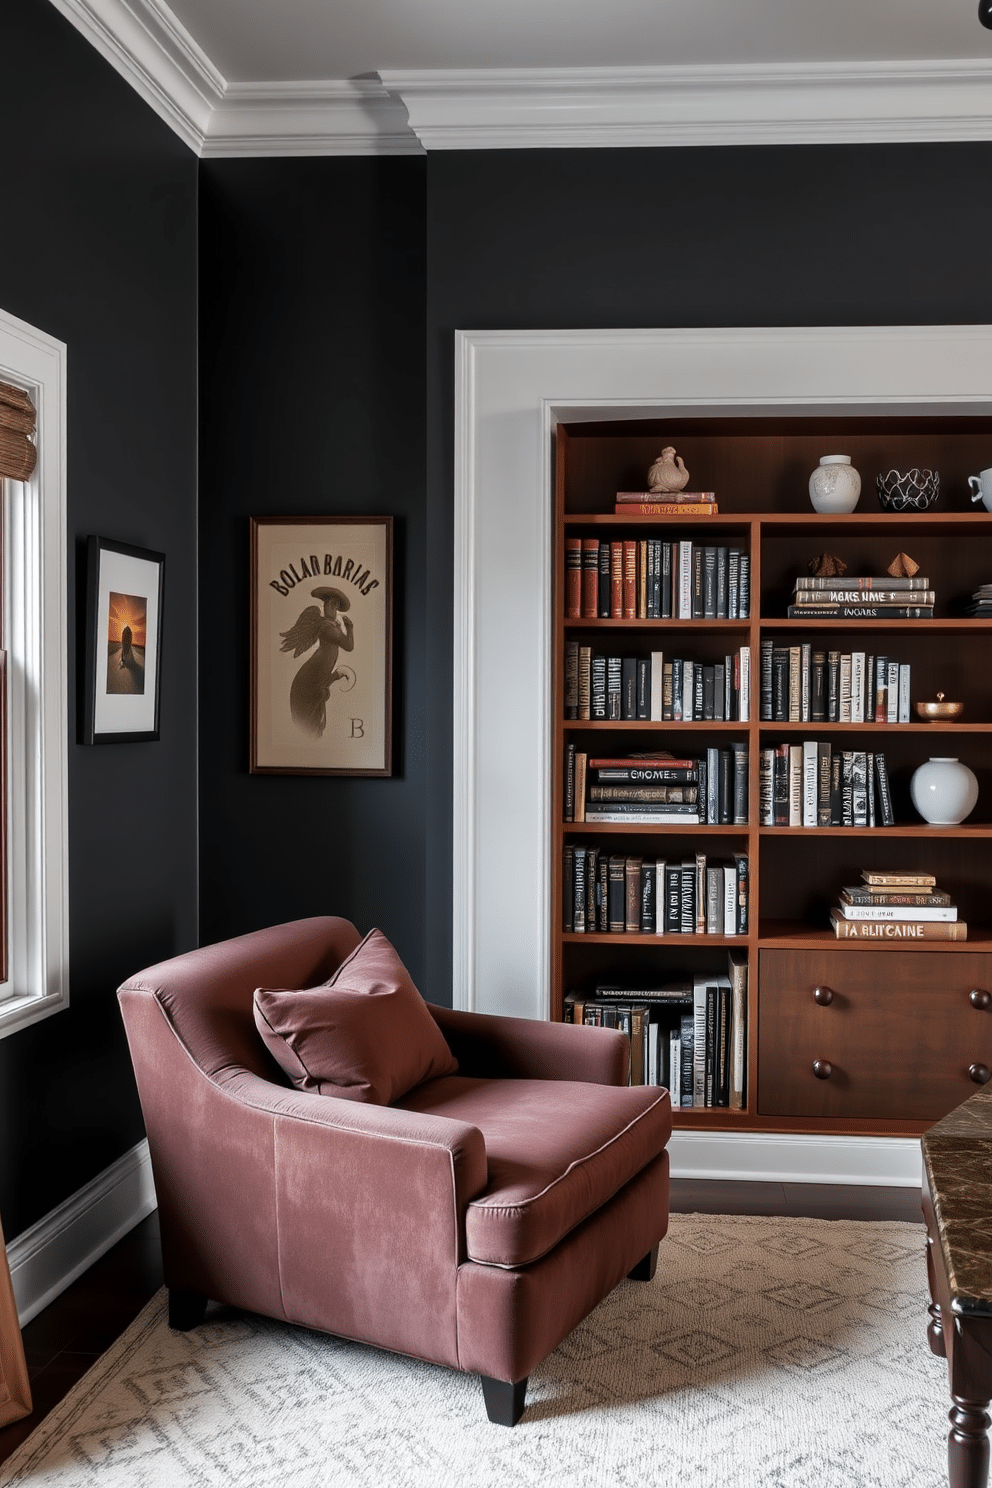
pixel 645 1268
pixel 186 1309
pixel 504 1402
pixel 968 1444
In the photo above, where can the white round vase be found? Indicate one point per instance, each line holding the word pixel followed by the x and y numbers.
pixel 835 485
pixel 944 791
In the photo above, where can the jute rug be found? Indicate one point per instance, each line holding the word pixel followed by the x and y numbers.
pixel 767 1353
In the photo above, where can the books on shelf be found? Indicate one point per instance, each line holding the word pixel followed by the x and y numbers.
pixel 651 579
pixel 872 597
pixel 615 893
pixel 800 683
pixel 813 784
pixel 902 931
pixel 689 1036
pixel 653 790
pixel 911 910
pixel 980 607
pixel 676 498
pixel 657 687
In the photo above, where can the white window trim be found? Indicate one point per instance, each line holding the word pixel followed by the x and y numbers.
pixel 35 582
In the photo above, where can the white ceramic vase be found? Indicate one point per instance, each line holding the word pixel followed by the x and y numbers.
pixel 835 485
pixel 944 791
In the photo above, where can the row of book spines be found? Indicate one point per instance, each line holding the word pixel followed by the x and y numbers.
pixel 601 688
pixel 720 778
pixel 620 895
pixel 813 785
pixel 663 1054
pixel 648 579
pixel 801 685
pixel 706 1063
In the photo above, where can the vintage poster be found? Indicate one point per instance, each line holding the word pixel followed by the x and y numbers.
pixel 321 645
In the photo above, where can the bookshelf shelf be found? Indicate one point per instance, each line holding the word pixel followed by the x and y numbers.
pixel 888 991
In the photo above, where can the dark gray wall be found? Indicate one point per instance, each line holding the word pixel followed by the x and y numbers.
pixel 830 235
pixel 98 248
pixel 312 353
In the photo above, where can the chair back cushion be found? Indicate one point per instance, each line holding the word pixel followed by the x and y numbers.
pixel 366 1034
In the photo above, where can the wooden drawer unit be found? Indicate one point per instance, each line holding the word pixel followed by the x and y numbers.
pixel 872 1035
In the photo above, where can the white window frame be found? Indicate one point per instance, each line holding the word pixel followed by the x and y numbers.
pixel 35 633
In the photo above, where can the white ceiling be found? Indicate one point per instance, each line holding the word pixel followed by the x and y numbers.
pixel 270 40
pixel 252 77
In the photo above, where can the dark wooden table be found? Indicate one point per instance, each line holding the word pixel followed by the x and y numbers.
pixel 957 1207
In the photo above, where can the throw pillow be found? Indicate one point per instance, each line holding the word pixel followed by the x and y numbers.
pixel 365 1035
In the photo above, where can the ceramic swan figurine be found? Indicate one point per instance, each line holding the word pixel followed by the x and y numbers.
pixel 668 473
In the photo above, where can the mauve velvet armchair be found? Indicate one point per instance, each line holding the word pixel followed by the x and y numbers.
pixel 474 1223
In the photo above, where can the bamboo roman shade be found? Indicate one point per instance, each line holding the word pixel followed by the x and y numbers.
pixel 18 455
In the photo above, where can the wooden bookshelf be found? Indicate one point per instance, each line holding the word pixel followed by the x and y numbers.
pixel 907 1033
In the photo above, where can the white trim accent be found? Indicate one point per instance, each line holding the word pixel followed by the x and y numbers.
pixel 731 104
pixel 49 1256
pixel 520 108
pixel 35 621
pixel 351 117
pixel 761 1157
pixel 511 386
pixel 152 50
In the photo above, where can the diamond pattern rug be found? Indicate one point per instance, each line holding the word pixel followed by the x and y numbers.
pixel 767 1353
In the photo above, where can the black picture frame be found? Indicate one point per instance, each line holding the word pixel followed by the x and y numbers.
pixel 122 685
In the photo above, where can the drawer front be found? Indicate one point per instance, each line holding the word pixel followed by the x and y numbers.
pixel 894 1041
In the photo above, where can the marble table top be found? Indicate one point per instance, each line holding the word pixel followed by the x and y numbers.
pixel 957 1155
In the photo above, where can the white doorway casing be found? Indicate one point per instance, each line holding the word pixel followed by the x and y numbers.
pixel 512 388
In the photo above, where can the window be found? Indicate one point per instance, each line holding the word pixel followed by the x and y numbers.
pixel 34 635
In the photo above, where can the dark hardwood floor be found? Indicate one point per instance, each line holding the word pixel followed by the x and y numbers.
pixel 71 1333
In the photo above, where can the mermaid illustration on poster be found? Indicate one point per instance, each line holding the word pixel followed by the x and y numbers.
pixel 330 632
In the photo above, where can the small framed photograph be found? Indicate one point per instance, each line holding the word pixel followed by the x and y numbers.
pixel 321 645
pixel 123 643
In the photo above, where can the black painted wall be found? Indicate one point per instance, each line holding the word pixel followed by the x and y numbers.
pixel 825 235
pixel 312 357
pixel 98 248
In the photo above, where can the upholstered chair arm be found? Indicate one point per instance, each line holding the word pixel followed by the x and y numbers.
pixel 498 1048
pixel 346 1217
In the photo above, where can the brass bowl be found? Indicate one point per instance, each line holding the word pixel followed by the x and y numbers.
pixel 939 711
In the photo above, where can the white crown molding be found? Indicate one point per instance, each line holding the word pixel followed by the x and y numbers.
pixel 530 108
pixel 735 104
pixel 154 52
pixel 351 117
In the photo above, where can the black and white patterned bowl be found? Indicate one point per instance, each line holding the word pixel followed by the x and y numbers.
pixel 908 491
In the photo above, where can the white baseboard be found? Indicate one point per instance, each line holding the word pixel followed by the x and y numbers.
pixel 48 1257
pixel 772 1157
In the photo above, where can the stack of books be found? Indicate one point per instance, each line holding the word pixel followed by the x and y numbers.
pixel 873 597
pixel 903 907
pixel 658 789
pixel 684 504
pixel 981 603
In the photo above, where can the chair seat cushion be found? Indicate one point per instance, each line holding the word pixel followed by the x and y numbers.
pixel 557 1151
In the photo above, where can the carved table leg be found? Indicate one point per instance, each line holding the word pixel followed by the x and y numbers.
pixel 935 1327
pixel 968 1444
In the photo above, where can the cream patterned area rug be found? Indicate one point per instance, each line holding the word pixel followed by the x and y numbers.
pixel 767 1353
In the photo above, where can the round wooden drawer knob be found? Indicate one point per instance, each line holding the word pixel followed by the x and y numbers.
pixel 823 1069
pixel 980 1073
pixel 823 995
pixel 979 998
